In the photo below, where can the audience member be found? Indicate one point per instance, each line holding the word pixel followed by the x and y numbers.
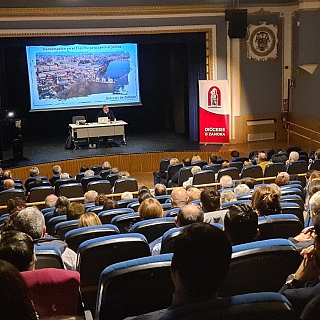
pixel 188 214
pixel 160 189
pixel 247 163
pixel 241 224
pixel 90 196
pixel 126 195
pixel 225 164
pixel 213 158
pixel 174 161
pixel 200 264
pixel 226 182
pixel 110 204
pixel 8 184
pixel 227 196
pixel 235 154
pixel 195 158
pixel 88 173
pixel 241 189
pixel 56 170
pixel 275 188
pixel 64 175
pixel 106 165
pixel 123 175
pixel 50 200
pixel 6 174
pixel 265 201
pixel 249 182
pixel 210 204
pixel 31 221
pixel 88 219
pixel 193 193
pixel 293 156
pixel 282 179
pixel 75 210
pixel 143 195
pixel 150 209
pixel 16 204
pixel 17 248
pixel 14 295
pixel 61 206
pixel 304 284
pixel 186 162
pixel 179 197
pixel 84 168
pixel 100 199
pixel 189 182
pixel 262 160
pixel 34 172
pixel 114 170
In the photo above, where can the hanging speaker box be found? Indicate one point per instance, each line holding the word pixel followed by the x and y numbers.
pixel 237 22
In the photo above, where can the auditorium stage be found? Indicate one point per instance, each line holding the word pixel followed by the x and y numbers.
pixel 42 149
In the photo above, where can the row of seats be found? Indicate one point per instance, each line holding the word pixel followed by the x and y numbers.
pixel 127 281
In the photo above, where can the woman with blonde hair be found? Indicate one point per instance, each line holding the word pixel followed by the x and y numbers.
pixel 150 208
pixel 89 219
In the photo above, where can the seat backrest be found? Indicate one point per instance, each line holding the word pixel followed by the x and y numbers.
pixel 86 180
pixel 215 167
pixel 251 171
pixel 124 222
pixel 184 175
pixel 153 228
pixel 222 160
pixel 203 177
pixel 76 236
pixel 61 288
pixel 230 203
pixel 112 177
pixel 95 209
pixel 106 216
pixel 124 202
pixel 8 194
pixel 293 198
pixel 315 165
pixel 251 306
pixel 172 169
pixel 71 190
pixel 240 159
pixel 32 184
pixel 233 172
pixel 48 257
pixel 104 173
pixel 145 285
pixel 79 176
pixel 125 184
pixel 52 223
pixel 40 193
pixel 272 170
pixel 299 166
pixel 260 266
pixel 163 198
pixel 237 164
pixel 96 169
pixel 60 182
pixel 163 165
pixel 279 226
pixel 199 163
pixel 167 240
pixel 63 227
pixel 291 207
pixel 95 255
pixel 171 212
pixel 101 186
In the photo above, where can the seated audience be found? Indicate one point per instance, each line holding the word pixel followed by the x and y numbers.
pixel 234 154
pixel 84 168
pixel 210 204
pixel 293 156
pixel 241 224
pixel 56 170
pixel 34 172
pixel 226 182
pixel 225 164
pixel 262 160
pixel 247 163
pixel 126 195
pixel 282 179
pixel 64 175
pixel 160 189
pixel 50 200
pixel 189 182
pixel 31 221
pixel 178 197
pixel 265 201
pixel 100 199
pixel 88 219
pixel 17 248
pixel 16 204
pixel 106 165
pixel 213 158
pixel 195 158
pixel 14 295
pixel 88 173
pixel 110 204
pixel 90 196
pixel 227 196
pixel 186 162
pixel 150 209
pixel 193 193
pixel 188 214
pixel 6 174
pixel 249 182
pixel 61 206
pixel 123 175
pixel 199 266
pixel 75 210
pixel 8 184
pixel 304 284
pixel 241 189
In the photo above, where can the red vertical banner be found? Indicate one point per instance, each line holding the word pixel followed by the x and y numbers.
pixel 214 111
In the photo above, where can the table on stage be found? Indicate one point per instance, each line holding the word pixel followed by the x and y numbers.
pixel 96 130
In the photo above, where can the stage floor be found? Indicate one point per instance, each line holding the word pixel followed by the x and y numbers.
pixel 43 150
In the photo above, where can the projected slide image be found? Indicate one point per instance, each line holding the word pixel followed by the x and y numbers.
pixel 83 75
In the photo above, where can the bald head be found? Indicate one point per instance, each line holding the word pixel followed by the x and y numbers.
pixel 8 184
pixel 179 197
pixel 188 214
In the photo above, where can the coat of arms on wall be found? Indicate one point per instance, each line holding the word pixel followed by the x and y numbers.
pixel 262 41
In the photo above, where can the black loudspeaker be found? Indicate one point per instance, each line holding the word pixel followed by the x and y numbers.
pixel 237 22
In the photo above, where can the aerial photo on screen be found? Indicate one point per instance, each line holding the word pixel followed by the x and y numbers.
pixel 83 75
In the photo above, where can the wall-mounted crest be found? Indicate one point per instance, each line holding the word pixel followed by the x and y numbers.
pixel 262 41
